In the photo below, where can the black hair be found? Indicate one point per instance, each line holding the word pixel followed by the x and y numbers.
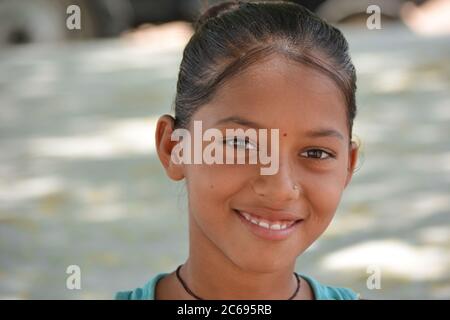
pixel 232 35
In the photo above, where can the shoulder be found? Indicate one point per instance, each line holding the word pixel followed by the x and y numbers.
pixel 146 292
pixel 324 292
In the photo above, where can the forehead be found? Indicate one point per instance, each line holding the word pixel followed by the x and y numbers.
pixel 280 93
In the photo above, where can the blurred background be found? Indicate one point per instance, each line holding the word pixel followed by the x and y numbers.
pixel 81 184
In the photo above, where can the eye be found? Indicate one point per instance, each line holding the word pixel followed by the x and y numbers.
pixel 240 143
pixel 317 154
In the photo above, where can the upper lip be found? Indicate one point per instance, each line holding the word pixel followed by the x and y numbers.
pixel 271 214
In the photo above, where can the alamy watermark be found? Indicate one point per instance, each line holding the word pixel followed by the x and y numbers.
pixel 374 280
pixel 73 281
pixel 374 20
pixel 252 142
pixel 73 21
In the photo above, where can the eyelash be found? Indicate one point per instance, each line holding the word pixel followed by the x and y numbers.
pixel 235 139
pixel 328 154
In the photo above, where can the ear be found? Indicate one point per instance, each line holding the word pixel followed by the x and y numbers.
pixel 352 159
pixel 164 146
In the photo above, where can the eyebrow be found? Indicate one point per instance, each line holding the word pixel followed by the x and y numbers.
pixel 239 120
pixel 316 133
pixel 325 132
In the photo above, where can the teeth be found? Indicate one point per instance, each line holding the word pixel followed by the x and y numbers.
pixel 275 227
pixel 265 224
pixel 246 215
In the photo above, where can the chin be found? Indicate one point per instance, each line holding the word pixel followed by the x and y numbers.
pixel 261 264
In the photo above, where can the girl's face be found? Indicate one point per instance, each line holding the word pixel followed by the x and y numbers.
pixel 314 153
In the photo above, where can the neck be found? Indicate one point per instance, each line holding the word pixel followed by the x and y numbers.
pixel 211 275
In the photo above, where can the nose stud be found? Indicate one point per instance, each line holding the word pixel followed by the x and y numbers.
pixel 295 187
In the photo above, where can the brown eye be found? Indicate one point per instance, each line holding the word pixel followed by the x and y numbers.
pixel 317 154
pixel 240 143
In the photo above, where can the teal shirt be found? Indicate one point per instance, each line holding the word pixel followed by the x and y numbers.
pixel 321 292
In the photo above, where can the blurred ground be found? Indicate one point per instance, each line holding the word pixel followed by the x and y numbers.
pixel 80 182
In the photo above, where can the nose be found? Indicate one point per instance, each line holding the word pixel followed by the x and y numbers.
pixel 280 187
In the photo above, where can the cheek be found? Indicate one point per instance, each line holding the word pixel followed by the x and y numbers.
pixel 324 194
pixel 210 187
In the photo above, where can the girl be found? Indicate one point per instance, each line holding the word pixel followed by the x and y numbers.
pixel 259 65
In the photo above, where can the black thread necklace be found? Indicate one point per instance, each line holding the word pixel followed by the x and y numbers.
pixel 189 291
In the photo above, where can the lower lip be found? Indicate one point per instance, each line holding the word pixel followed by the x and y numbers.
pixel 268 234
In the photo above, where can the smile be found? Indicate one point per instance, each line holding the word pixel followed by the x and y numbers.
pixel 268 229
pixel 278 225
